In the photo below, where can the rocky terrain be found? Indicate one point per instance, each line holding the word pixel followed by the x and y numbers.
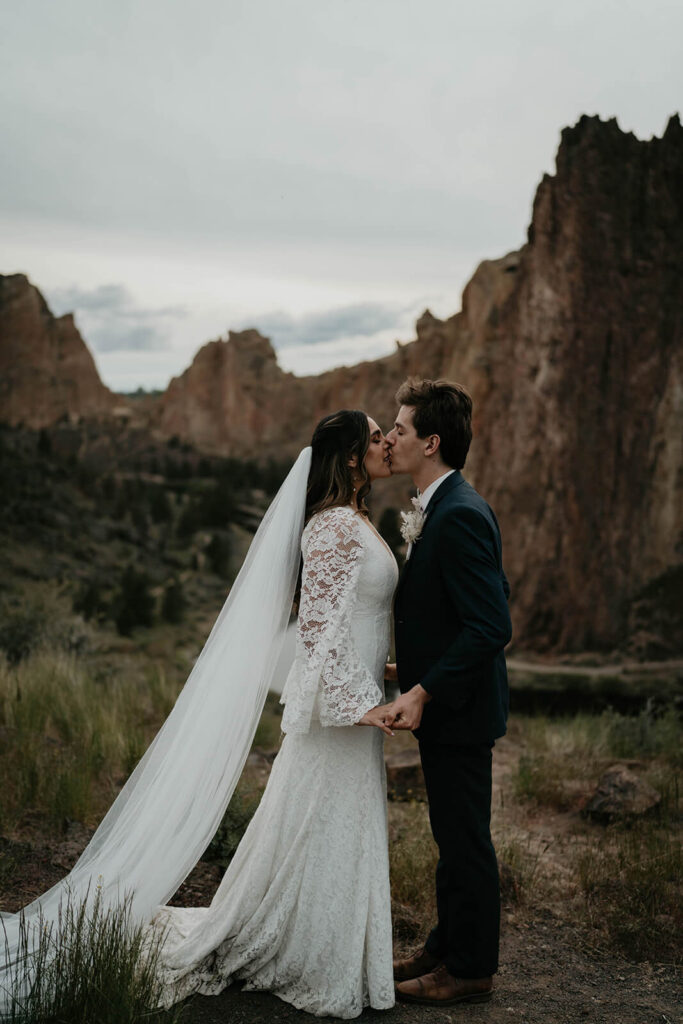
pixel 571 348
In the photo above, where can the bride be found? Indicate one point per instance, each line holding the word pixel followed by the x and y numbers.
pixel 303 910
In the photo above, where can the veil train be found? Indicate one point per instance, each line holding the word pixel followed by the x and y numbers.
pixel 170 807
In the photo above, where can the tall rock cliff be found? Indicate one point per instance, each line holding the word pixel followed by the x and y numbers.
pixel 577 377
pixel 46 369
pixel 572 349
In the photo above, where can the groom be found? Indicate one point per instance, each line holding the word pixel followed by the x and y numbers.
pixel 452 623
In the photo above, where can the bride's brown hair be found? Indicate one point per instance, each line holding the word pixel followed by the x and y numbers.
pixel 336 439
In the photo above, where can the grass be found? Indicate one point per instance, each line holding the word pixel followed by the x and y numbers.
pixel 631 881
pixel 71 733
pixel 564 756
pixel 628 874
pixel 519 861
pixel 69 739
pixel 92 965
pixel 412 863
pixel 268 731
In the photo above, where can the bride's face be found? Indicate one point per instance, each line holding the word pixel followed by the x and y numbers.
pixel 377 459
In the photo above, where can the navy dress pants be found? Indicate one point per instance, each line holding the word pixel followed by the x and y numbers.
pixel 458 781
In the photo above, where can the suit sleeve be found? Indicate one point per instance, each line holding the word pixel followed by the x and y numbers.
pixel 478 591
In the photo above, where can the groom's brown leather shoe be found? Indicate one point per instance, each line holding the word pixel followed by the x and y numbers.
pixel 440 988
pixel 414 966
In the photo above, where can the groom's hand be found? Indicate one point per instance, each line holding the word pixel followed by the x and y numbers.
pixel 390 673
pixel 407 709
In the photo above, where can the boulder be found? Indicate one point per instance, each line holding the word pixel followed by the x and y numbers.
pixel 620 795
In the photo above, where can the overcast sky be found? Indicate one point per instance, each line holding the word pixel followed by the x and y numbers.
pixel 320 169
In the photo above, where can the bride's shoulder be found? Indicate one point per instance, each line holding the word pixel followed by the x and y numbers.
pixel 336 519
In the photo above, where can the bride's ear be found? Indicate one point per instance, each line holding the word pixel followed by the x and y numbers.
pixel 353 462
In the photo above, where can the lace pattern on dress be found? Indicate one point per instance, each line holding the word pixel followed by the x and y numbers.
pixel 328 674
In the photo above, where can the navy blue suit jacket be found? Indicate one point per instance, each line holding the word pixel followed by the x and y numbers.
pixel 452 621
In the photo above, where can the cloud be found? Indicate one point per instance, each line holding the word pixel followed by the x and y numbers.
pixel 360 320
pixel 110 320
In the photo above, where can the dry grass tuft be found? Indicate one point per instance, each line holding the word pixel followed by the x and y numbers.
pixel 631 880
pixel 629 874
pixel 412 858
pixel 92 965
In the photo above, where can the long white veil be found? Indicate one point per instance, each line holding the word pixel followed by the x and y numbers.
pixel 170 807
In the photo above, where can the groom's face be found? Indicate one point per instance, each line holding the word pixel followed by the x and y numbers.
pixel 406 448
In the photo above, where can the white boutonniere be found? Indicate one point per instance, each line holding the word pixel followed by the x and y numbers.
pixel 412 522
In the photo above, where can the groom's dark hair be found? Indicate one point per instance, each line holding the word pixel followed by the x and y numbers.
pixel 441 407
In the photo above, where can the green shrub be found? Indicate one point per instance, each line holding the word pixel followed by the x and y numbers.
pixel 134 604
pixel 540 779
pixel 160 505
pixel 89 600
pixel 174 603
pixel 35 621
pixel 218 553
pixel 241 810
pixel 189 520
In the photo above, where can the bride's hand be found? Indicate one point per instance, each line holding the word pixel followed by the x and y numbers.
pixel 378 717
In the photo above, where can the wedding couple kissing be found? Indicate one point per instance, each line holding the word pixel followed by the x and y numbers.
pixel 304 908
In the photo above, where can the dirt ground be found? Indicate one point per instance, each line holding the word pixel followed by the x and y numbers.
pixel 546 977
pixel 549 974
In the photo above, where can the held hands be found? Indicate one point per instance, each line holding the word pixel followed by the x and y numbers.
pixel 404 713
pixel 406 710
pixel 380 716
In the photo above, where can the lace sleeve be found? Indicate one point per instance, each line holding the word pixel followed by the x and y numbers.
pixel 327 664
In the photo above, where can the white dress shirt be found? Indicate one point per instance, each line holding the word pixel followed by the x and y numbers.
pixel 426 496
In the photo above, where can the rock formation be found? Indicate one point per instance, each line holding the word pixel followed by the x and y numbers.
pixel 46 369
pixel 571 348
pixel 235 400
pixel 621 795
pixel 577 378
pixel 572 351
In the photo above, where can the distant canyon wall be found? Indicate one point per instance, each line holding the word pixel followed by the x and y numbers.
pixel 47 372
pixel 572 350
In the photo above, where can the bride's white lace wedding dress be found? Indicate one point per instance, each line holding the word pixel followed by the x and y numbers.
pixel 303 910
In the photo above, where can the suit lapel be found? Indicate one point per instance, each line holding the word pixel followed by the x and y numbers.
pixel 450 483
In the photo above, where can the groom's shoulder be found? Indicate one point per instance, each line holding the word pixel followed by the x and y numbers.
pixel 463 496
pixel 465 503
